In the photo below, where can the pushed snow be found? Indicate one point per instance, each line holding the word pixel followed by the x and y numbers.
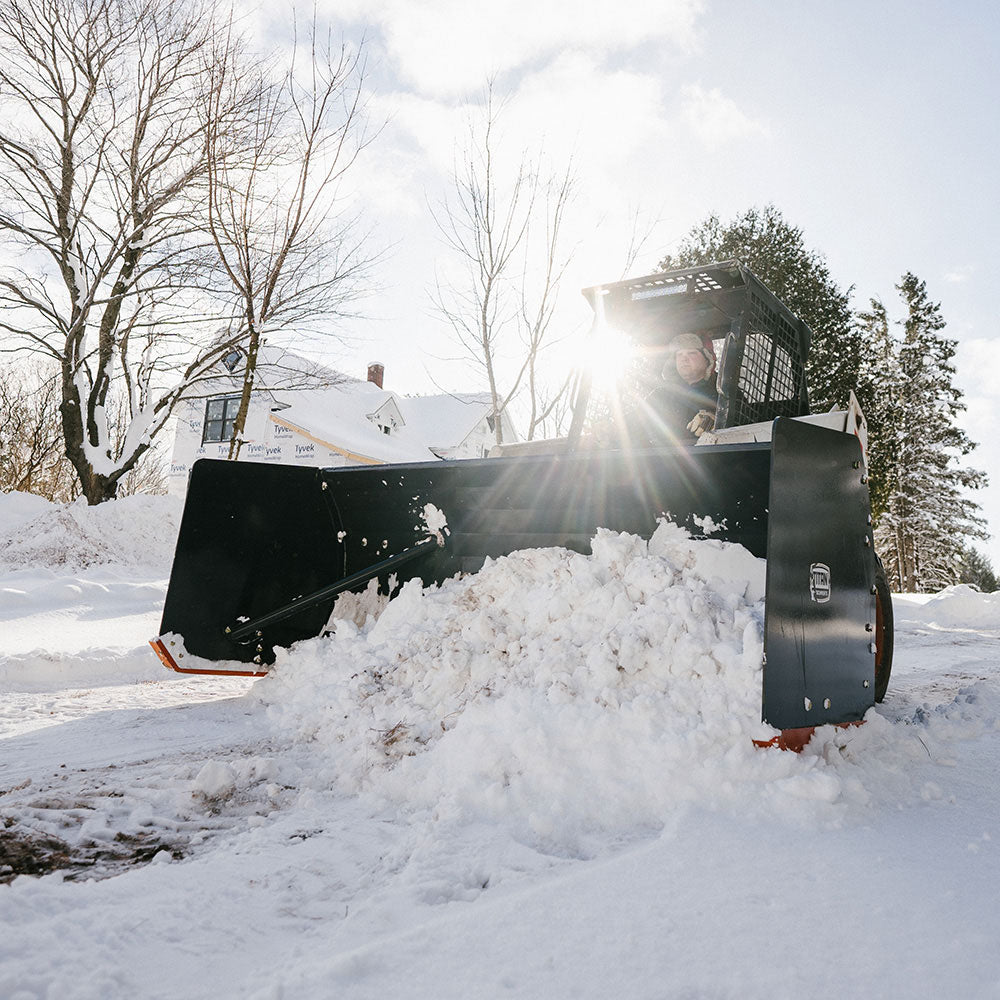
pixel 215 781
pixel 561 693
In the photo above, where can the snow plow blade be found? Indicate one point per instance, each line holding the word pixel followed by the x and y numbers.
pixel 264 550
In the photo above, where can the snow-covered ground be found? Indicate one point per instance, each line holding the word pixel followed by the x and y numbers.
pixel 537 782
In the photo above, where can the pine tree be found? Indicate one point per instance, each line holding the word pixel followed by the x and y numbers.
pixel 776 252
pixel 977 570
pixel 879 392
pixel 927 517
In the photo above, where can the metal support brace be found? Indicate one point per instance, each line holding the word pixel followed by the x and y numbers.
pixel 251 630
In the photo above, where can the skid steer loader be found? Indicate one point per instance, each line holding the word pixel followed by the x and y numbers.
pixel 264 550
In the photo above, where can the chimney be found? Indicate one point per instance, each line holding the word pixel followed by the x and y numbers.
pixel 375 372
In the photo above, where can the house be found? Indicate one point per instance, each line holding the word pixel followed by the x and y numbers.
pixel 458 425
pixel 304 414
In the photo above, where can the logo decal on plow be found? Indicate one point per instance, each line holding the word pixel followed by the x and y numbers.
pixel 819 582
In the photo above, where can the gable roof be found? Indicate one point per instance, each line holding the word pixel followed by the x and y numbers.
pixel 445 421
pixel 338 417
pixel 390 406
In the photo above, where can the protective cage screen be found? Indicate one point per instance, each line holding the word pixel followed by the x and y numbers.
pixel 771 371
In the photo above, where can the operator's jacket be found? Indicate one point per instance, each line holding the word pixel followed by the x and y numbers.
pixel 663 416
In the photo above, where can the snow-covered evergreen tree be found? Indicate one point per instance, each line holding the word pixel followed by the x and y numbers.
pixel 878 390
pixel 977 570
pixel 927 517
pixel 776 252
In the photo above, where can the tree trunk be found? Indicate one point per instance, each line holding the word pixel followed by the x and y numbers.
pixel 95 487
pixel 249 377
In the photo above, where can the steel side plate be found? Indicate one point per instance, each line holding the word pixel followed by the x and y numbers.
pixel 820 611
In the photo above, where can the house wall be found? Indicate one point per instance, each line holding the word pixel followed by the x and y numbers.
pixel 264 441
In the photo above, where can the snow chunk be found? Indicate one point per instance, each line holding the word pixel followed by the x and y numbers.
pixel 434 519
pixel 434 522
pixel 215 781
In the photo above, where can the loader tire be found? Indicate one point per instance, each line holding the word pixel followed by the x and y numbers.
pixel 883 631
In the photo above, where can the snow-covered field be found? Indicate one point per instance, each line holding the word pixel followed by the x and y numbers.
pixel 536 782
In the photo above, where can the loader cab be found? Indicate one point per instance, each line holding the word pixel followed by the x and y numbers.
pixel 760 346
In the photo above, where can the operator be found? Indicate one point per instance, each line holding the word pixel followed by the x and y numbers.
pixel 682 405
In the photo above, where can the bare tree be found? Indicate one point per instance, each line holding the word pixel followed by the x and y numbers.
pixel 31 436
pixel 538 310
pixel 31 440
pixel 503 226
pixel 111 113
pixel 641 230
pixel 102 166
pixel 292 255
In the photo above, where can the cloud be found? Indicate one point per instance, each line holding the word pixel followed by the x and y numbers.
pixel 959 275
pixel 715 118
pixel 611 123
pixel 571 108
pixel 445 47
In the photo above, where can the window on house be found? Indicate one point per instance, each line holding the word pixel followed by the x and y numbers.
pixel 220 415
pixel 491 422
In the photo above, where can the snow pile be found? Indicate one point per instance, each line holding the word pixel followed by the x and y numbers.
pixel 565 694
pixel 137 532
pixel 962 606
pixel 18 508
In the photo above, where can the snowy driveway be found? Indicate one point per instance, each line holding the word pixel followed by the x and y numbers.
pixel 280 839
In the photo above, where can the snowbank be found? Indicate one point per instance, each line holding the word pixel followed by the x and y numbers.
pixel 133 533
pixel 960 606
pixel 81 589
pixel 18 508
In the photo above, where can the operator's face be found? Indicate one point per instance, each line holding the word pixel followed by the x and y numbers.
pixel 691 365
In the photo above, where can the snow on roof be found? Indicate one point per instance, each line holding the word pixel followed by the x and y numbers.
pixel 277 369
pixel 334 408
pixel 280 367
pixel 338 416
pixel 445 421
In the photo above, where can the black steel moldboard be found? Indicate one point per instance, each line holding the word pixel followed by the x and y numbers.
pixel 496 506
pixel 253 537
pixel 818 651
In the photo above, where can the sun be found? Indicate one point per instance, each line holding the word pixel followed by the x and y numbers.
pixel 607 354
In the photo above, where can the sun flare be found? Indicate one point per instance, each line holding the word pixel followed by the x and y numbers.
pixel 607 355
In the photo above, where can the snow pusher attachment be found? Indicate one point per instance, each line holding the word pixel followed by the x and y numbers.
pixel 265 550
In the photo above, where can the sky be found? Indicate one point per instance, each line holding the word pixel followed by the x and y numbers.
pixel 871 127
